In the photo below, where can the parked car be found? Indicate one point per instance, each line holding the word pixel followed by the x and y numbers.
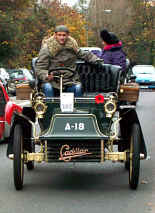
pixel 4 73
pixel 96 50
pixel 4 81
pixel 145 75
pixel 100 126
pixel 18 76
pixel 4 78
pixel 7 108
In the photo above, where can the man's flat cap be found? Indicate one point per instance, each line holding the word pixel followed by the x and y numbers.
pixel 61 28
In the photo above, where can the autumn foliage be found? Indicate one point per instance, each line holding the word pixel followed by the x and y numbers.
pixel 23 25
pixel 133 21
pixel 140 39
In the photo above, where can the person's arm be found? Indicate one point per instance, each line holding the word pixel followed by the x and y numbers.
pixel 88 56
pixel 42 64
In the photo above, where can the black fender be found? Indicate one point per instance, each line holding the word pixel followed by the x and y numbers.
pixel 25 122
pixel 129 117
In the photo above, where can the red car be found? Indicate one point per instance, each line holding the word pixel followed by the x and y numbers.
pixel 7 108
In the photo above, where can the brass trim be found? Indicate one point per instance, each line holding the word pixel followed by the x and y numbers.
pixel 46 156
pixel 102 151
pixel 42 112
pixel 67 153
pixel 108 112
pixel 38 157
pixel 114 136
pixel 76 99
pixel 34 131
pixel 131 155
pixel 115 156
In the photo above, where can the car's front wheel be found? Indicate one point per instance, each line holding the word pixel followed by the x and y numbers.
pixel 18 162
pixel 134 162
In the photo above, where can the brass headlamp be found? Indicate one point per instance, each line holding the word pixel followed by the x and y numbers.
pixel 40 107
pixel 110 107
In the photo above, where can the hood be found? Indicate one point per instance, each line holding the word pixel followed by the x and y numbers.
pixel 113 46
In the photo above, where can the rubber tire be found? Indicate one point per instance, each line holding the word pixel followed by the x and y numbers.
pixel 127 165
pixel 134 165
pixel 18 162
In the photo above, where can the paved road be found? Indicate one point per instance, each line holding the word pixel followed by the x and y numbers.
pixel 69 188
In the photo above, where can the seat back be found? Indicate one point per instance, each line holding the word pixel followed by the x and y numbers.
pixel 126 72
pixel 34 84
pixel 97 78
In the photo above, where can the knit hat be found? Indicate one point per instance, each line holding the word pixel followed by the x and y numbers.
pixel 61 28
pixel 109 37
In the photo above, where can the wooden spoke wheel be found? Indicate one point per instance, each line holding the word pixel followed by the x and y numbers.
pixel 134 162
pixel 18 162
pixel 127 165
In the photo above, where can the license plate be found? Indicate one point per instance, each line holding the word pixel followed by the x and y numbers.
pixel 144 87
pixel 67 102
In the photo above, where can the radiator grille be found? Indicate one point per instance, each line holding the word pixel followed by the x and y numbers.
pixel 74 151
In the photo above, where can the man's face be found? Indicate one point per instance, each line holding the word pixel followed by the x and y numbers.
pixel 61 37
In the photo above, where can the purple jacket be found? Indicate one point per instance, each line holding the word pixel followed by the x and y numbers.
pixel 113 54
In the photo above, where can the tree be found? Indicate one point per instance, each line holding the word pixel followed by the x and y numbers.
pixel 140 39
pixel 7 33
pixel 74 20
pixel 133 21
pixel 15 5
pixel 109 14
pixel 21 32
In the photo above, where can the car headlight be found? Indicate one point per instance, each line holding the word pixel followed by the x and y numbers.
pixel 110 108
pixel 40 108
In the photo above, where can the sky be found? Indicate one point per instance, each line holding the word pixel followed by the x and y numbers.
pixel 69 2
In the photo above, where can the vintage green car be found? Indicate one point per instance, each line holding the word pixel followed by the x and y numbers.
pixel 99 126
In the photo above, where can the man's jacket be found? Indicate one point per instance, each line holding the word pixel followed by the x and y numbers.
pixel 53 55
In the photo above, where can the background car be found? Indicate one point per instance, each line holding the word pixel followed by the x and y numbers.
pixel 4 73
pixel 96 50
pixel 145 75
pixel 4 77
pixel 7 108
pixel 18 76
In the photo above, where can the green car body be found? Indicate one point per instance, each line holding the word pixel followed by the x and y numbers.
pixel 98 123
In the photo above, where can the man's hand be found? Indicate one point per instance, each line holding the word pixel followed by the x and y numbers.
pixel 50 77
pixel 99 62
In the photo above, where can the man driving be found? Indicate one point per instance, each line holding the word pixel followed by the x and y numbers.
pixel 61 50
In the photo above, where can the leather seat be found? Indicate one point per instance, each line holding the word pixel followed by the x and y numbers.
pixel 99 78
pixel 95 77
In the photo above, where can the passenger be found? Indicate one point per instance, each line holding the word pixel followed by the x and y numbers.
pixel 112 52
pixel 61 50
